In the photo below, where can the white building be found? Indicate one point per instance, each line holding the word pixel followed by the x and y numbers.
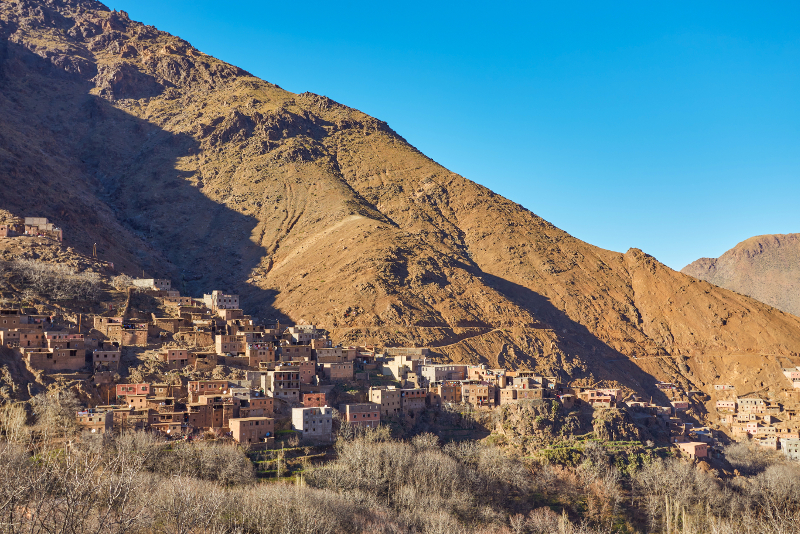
pixel 791 447
pixel 153 283
pixel 218 300
pixel 302 334
pixel 438 372
pixel 314 423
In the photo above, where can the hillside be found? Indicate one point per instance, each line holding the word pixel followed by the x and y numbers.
pixel 765 267
pixel 182 166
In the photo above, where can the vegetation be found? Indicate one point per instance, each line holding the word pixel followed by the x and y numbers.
pixel 55 281
pixel 53 480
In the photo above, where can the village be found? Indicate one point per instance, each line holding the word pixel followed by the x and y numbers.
pixel 286 375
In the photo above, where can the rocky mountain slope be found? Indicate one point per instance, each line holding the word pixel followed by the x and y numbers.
pixel 182 166
pixel 765 267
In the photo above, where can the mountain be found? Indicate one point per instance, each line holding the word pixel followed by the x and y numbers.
pixel 765 267
pixel 182 166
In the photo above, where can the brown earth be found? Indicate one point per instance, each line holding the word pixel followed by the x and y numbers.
pixel 765 267
pixel 183 166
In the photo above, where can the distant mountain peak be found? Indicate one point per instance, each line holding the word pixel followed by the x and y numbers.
pixel 765 267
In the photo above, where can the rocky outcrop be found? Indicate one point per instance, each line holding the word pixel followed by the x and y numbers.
pixel 615 425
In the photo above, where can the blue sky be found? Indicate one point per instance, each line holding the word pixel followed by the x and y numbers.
pixel 667 126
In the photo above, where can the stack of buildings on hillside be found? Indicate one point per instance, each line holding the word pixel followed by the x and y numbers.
pixel 290 370
pixel 31 226
pixel 764 422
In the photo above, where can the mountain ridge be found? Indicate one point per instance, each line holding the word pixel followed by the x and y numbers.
pixel 186 167
pixel 764 267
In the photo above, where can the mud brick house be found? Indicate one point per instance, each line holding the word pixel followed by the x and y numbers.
pixel 253 406
pixel 497 377
pixel 596 397
pixel 205 361
pixel 9 319
pixel 129 418
pixel 124 333
pixel 388 397
pixel 234 316
pixel 412 401
pixel 283 383
pixel 480 394
pixel 222 409
pixel 109 359
pixel 307 370
pixel 225 344
pixel 168 324
pixel 258 353
pixel 694 449
pixel 366 414
pixel 251 431
pixel 290 352
pixel 206 387
pixel 103 324
pixel 177 358
pixel 41 226
pixel 94 422
pixel 417 352
pixel 9 338
pixel 50 360
pixel 198 415
pixel 10 228
pixel 726 405
pixel 327 354
pixel 133 389
pixel 749 404
pixel 680 405
pixel 517 394
pixel 31 339
pixel 169 390
pixel 337 372
pixel 315 399
pixel 444 392
pixel 568 400
pixel 137 402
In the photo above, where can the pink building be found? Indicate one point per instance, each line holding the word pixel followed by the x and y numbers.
pixel 366 414
pixel 133 389
pixel 176 358
pixel 694 449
